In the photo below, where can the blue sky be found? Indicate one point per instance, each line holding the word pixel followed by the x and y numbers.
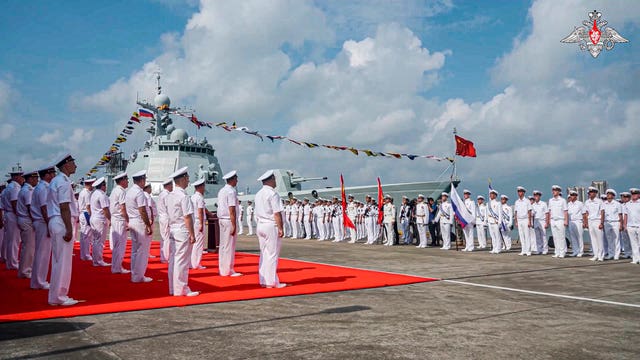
pixel 65 65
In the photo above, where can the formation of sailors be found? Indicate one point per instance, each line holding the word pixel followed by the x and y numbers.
pixel 40 216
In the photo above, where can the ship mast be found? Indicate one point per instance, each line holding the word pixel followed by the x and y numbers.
pixel 454 174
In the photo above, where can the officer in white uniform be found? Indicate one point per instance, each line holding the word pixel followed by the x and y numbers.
pixel 523 220
pixel 404 220
pixel 422 217
pixel 139 227
pixel 119 221
pixel 25 224
pixel 632 224
pixel 625 243
pixel 152 209
pixel 494 213
pixel 163 219
pixel 99 220
pixel 182 235
pixel 613 218
pixel 269 230
pixel 250 216
pixel 388 220
pixel 306 218
pixel 227 205
pixel 40 216
pixel 507 222
pixel 558 219
pixel 86 236
pixel 240 218
pixel 351 214
pixel 11 229
pixel 593 219
pixel 445 216
pixel 575 209
pixel 468 229
pixel 62 208
pixel 287 215
pixel 481 222
pixel 199 216
pixel 540 210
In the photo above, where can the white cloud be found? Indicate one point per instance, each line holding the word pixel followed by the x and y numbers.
pixel 6 131
pixel 50 138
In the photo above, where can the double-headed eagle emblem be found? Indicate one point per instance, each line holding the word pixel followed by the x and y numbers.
pixel 595 35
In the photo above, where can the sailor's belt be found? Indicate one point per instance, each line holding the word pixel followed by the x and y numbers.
pixel 612 221
pixel 224 219
pixel 264 221
pixel 633 226
pixel 557 219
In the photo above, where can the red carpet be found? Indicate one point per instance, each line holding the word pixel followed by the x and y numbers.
pixel 103 292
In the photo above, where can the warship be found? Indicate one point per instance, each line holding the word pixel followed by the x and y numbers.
pixel 169 148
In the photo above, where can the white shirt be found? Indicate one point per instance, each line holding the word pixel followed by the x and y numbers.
pixel 198 206
pixel 10 194
pixel 521 208
pixel 576 209
pixel 84 199
pixel 60 192
pixel 633 213
pixel 306 211
pixel 179 205
pixel 612 210
pixel 227 197
pixel 557 207
pixel 98 202
pixel 421 213
pixel 39 198
pixel 162 204
pixel 24 200
pixel 445 213
pixel 540 210
pixel 351 209
pixel 593 208
pixel 494 211
pixel 268 203
pixel 471 206
pixel 507 215
pixel 389 213
pixel 481 214
pixel 250 212
pixel 152 209
pixel 133 200
pixel 117 201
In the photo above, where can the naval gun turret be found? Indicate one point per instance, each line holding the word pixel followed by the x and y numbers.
pixel 287 180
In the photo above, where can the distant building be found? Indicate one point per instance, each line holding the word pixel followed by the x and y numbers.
pixel 582 191
pixel 601 185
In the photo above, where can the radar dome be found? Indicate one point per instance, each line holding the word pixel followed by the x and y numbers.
pixel 161 100
pixel 179 135
pixel 170 129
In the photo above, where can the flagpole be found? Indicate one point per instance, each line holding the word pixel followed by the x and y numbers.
pixel 454 174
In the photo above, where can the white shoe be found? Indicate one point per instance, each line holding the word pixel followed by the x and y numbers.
pixel 201 267
pixel 579 255
pixel 192 293
pixel 46 286
pixel 554 256
pixel 593 258
pixel 352 242
pixel 68 302
pixel 279 286
pixel 521 254
pixel 147 279
pixel 236 274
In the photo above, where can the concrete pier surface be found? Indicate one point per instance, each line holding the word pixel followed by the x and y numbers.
pixel 487 306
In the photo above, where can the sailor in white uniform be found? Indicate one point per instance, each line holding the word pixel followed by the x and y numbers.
pixel 227 205
pixel 351 214
pixel 182 235
pixel 494 220
pixel 445 216
pixel 422 218
pixel 40 215
pixel 199 217
pixel 507 222
pixel 269 230
pixel 389 218
pixel 594 221
pixel 523 220
pixel 613 224
pixel 575 209
pixel 287 218
pixel 625 242
pixel 336 217
pixel 558 219
pixel 306 218
pixel 99 220
pixel 62 208
pixel 86 235
pixel 632 224
pixel 11 230
pixel 119 221
pixel 25 224
pixel 532 230
pixel 240 218
pixel 540 210
pixel 481 222
pixel 152 209
pixel 468 229
pixel 250 216
pixel 139 227
pixel 404 220
pixel 163 219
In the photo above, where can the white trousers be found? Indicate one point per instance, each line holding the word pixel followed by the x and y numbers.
pixel 140 245
pixel 422 234
pixel 576 235
pixel 468 237
pixel 99 228
pixel 270 245
pixel 634 239
pixel 60 262
pixel 353 233
pixel 496 237
pixel 481 231
pixel 86 237
pixel 388 234
pixel 165 238
pixel 404 225
pixel 337 232
pixel 250 225
pixel 558 233
pixel 541 237
pixel 307 228
pixel 532 240
pixel 612 234
pixel 625 243
pixel 179 259
pixel 239 226
pixel 524 235
pixel 595 234
pixel 198 246
pixel 227 249
pixel 119 238
pixel 11 240
pixel 42 257
pixel 445 231
pixel 27 247
pixel 287 227
pixel 370 224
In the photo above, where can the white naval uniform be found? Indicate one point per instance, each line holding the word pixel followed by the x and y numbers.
pixel 422 218
pixel 60 191
pixel 99 225
pixel 250 220
pixel 388 220
pixel 404 223
pixel 576 231
pixel 557 210
pixel 294 211
pixel 42 254
pixel 240 213
pixel 179 205
pixel 268 206
pixel 625 243
pixel 306 219
pixel 633 228
pixel 11 230
pixel 352 211
pixel 612 212
pixel 481 225
pixel 319 213
pixel 338 228
pixel 140 241
pixel 540 210
pixel 445 216
pixel 163 222
pixel 522 210
pixel 507 226
pixel 494 220
pixel 198 208
pixel 27 233
pixel 86 235
pixel 594 210
pixel 118 228
pixel 468 229
pixel 227 197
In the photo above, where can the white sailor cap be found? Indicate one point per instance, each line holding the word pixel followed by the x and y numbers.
pixel 405 197
pixel 493 191
pixel 573 192
pixel 387 196
pixel 603 196
pixel 503 196
pixel 99 182
pixel 120 176
pixel 198 182
pixel 180 172
pixel 465 191
pixel 229 175
pixel 556 187
pixel 531 198
pixel 593 189
pixel 64 159
pixel 367 196
pixel 47 170
pixel 267 174
pixel 335 197
pixel 520 188
pixel 444 194
pixel 167 182
pixel 634 191
pixel 30 174
pixel 139 174
pixel 537 192
pixel 420 196
pixel 611 191
pixel 480 197
pixel 89 180
pixel 624 193
pixel 350 195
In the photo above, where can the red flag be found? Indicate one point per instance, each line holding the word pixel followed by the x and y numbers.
pixel 380 203
pixel 464 147
pixel 347 222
